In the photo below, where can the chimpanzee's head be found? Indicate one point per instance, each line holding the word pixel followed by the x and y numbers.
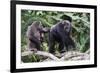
pixel 67 25
pixel 37 25
pixel 66 21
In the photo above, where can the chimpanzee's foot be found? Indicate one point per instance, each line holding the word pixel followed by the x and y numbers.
pixel 33 49
pixel 52 53
pixel 62 51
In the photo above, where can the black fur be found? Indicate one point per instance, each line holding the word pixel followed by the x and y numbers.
pixel 60 33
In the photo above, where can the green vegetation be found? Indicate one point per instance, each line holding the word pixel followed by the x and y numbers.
pixel 80 28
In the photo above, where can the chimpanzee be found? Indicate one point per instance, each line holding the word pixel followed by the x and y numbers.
pixel 35 34
pixel 60 33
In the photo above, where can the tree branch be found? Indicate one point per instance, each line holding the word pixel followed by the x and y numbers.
pixel 70 55
pixel 75 55
pixel 42 53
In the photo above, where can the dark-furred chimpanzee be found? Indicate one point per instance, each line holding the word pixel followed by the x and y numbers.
pixel 35 34
pixel 60 33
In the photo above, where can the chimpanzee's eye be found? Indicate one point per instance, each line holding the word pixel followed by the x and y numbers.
pixel 67 24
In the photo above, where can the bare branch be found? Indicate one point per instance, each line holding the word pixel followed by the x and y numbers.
pixel 75 55
pixel 88 51
pixel 42 53
pixel 47 55
pixel 26 53
pixel 70 55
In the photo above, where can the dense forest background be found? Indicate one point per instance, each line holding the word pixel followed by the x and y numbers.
pixel 80 29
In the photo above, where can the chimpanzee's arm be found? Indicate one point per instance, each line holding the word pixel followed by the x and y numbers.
pixel 62 33
pixel 70 42
pixel 51 43
pixel 44 30
pixel 66 39
pixel 33 39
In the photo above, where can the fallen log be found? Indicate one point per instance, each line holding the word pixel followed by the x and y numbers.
pixel 70 55
pixel 41 53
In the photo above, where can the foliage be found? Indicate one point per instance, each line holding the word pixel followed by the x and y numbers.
pixel 80 28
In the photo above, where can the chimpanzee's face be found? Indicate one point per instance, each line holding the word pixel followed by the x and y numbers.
pixel 38 25
pixel 67 25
